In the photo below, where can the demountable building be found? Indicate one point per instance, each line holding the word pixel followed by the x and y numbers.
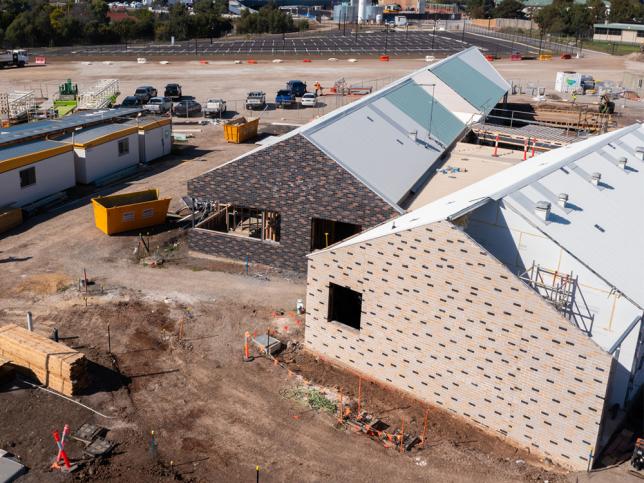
pixel 515 303
pixel 155 138
pixel 34 170
pixel 103 150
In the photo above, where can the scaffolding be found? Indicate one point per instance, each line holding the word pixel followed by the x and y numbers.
pixel 561 290
pixel 102 95
pixel 17 106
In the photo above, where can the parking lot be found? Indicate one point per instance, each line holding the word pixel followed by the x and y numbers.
pixel 399 42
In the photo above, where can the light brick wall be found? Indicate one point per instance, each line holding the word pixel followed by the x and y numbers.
pixel 447 322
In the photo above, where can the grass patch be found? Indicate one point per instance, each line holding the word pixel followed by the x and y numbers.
pixel 313 397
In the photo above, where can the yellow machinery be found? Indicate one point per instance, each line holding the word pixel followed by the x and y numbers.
pixel 241 129
pixel 129 211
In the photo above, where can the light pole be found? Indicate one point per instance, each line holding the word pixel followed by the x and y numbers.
pixel 431 108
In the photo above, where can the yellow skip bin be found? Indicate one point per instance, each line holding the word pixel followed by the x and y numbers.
pixel 241 129
pixel 129 211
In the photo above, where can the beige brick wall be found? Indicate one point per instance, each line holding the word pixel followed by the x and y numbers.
pixel 447 322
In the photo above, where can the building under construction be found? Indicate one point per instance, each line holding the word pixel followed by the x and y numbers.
pixel 347 171
pixel 515 303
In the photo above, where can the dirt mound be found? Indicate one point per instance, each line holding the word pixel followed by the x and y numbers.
pixel 636 56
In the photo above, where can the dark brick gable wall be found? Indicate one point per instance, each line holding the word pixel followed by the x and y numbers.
pixel 296 179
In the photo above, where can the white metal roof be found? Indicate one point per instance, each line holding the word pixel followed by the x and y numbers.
pixel 390 139
pixel 603 226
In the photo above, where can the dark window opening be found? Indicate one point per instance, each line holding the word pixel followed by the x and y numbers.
pixel 327 232
pixel 27 177
pixel 242 221
pixel 124 147
pixel 345 306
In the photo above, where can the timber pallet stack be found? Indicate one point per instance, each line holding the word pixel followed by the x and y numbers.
pixel 54 364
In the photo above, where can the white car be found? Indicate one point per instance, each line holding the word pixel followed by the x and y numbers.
pixel 309 100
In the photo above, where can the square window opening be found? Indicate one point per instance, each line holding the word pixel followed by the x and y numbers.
pixel 327 232
pixel 27 177
pixel 345 306
pixel 243 221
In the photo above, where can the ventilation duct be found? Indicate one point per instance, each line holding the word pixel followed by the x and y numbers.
pixel 542 210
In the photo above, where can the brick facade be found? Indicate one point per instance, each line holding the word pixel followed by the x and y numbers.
pixel 296 179
pixel 447 322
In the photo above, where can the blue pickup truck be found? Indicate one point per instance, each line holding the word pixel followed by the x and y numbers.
pixel 284 98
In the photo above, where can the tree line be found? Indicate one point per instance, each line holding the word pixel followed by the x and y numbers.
pixel 562 16
pixel 31 23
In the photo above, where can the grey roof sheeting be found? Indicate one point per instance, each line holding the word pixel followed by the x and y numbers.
pixel 42 129
pixel 25 149
pixel 391 139
pixel 383 138
pixel 91 133
pixel 602 227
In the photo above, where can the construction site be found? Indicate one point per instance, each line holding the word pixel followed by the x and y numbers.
pixel 388 285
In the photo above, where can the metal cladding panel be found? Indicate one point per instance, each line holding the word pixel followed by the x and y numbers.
pixel 377 151
pixel 473 85
pixel 425 110
pixel 91 133
pixel 25 149
pixel 42 128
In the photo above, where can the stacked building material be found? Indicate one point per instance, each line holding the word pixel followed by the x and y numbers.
pixel 54 364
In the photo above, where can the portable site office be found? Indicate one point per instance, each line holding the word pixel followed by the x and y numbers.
pixel 32 171
pixel 103 150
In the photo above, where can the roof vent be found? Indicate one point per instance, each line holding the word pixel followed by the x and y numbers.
pixel 542 210
pixel 640 151
pixel 596 178
pixel 622 162
pixel 562 199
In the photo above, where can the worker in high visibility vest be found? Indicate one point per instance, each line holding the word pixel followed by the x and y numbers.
pixel 318 88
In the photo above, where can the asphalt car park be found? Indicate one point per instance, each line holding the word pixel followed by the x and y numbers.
pixel 335 42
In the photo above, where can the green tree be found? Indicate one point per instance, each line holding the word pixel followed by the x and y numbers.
pixel 509 9
pixel 597 10
pixel 625 11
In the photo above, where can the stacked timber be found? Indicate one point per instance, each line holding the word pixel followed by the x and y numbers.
pixel 54 364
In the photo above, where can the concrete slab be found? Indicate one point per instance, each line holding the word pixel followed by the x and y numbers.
pixel 10 469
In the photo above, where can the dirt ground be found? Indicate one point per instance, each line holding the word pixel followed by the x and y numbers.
pixel 214 416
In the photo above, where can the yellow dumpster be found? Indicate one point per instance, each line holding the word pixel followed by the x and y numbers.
pixel 241 129
pixel 129 211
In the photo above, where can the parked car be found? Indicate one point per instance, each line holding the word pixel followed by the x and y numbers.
pixel 186 108
pixel 214 107
pixel 145 93
pixel 309 100
pixel 255 100
pixel 173 91
pixel 297 87
pixel 159 105
pixel 284 98
pixel 131 101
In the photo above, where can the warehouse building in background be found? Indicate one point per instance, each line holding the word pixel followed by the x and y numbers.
pixel 515 303
pixel 345 172
pixel 619 32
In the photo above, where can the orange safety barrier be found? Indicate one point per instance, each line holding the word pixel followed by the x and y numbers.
pixel 203 61
pixel 41 60
pixel 251 61
pixel 489 57
pixel 496 147
pixel 307 60
pixel 515 57
pixel 384 58
pixel 566 56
